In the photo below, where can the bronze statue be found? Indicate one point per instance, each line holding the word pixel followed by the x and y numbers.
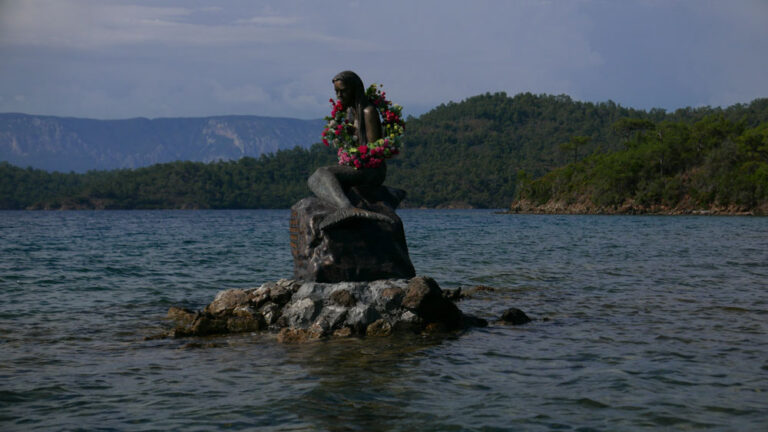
pixel 349 231
pixel 329 182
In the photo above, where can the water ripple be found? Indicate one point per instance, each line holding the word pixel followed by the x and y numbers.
pixel 639 323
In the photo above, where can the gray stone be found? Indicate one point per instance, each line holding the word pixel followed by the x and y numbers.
pixel 228 299
pixel 315 310
pixel 271 312
pixel 332 316
pixel 299 313
pixel 280 293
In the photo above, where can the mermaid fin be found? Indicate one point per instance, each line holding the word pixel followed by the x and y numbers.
pixel 342 215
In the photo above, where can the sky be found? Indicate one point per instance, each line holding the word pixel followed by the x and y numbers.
pixel 114 59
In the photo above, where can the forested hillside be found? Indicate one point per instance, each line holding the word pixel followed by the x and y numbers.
pixel 716 165
pixel 271 181
pixel 469 153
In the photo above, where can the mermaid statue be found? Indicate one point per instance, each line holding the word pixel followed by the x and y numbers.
pixel 355 128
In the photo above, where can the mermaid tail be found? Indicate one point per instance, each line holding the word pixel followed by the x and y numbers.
pixel 343 215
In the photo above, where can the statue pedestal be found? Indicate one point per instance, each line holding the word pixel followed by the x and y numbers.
pixel 306 311
pixel 356 249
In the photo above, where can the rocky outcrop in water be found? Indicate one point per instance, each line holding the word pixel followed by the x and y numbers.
pixel 303 311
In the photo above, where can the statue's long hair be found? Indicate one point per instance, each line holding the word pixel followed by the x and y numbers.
pixel 351 79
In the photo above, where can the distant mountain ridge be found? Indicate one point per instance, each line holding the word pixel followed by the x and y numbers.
pixel 78 144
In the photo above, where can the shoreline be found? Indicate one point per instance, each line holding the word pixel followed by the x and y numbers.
pixel 518 207
pixel 630 208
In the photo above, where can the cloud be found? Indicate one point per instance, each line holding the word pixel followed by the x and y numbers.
pixel 269 20
pixel 676 54
pixel 248 93
pixel 112 58
pixel 83 24
pixel 89 24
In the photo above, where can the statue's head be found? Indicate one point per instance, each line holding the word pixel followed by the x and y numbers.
pixel 349 88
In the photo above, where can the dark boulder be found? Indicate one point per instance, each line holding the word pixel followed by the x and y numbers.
pixel 514 316
pixel 425 298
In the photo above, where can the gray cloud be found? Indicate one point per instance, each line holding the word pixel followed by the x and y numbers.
pixel 113 59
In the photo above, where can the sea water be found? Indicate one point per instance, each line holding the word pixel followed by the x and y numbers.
pixel 639 322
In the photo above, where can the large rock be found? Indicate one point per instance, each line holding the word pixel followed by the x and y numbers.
pixel 302 311
pixel 358 249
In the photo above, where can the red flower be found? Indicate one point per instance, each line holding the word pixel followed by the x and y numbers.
pixel 363 149
pixel 373 163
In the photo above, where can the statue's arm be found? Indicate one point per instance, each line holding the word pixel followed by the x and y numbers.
pixel 372 123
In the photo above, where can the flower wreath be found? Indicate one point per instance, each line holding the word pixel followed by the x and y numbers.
pixel 340 132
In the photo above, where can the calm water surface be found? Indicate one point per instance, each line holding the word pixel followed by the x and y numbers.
pixel 639 323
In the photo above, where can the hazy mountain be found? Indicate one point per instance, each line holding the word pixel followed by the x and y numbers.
pixel 75 144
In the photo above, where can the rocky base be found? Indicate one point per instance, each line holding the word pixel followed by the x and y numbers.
pixel 303 311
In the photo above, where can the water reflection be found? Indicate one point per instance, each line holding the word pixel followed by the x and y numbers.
pixel 361 384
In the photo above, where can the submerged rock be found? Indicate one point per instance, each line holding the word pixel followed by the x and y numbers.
pixel 514 316
pixel 457 294
pixel 305 311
